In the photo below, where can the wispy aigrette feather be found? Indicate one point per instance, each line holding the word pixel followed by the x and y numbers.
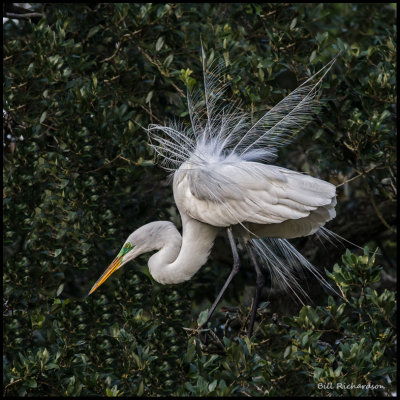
pixel 221 131
pixel 286 264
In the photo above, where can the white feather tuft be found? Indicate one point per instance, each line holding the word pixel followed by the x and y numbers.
pixel 221 131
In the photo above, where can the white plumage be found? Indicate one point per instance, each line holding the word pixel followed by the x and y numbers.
pixel 229 194
pixel 223 177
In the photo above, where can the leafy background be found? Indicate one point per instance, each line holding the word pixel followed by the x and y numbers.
pixel 79 83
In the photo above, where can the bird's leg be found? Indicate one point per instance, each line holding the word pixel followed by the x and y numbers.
pixel 235 269
pixel 260 281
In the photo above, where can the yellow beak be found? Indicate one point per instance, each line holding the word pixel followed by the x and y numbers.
pixel 107 273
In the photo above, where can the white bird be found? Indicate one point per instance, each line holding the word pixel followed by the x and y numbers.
pixel 223 179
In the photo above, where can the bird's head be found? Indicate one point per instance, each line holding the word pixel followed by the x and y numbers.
pixel 128 252
pixel 147 238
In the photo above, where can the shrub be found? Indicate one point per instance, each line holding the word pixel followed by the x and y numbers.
pixel 80 81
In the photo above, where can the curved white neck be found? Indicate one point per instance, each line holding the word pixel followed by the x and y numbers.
pixel 178 260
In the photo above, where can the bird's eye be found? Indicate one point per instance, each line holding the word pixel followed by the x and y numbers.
pixel 125 249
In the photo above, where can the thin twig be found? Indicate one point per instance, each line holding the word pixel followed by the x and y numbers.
pixel 106 164
pixel 357 176
pixel 245 393
pixel 123 38
pixel 115 52
pixel 288 46
pixel 13 383
pixel 216 338
pixel 151 114
pixel 17 108
pixel 112 79
pixel 160 69
pixel 20 85
pixel 378 213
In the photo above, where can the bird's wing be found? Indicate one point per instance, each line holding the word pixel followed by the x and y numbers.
pixel 294 228
pixel 224 194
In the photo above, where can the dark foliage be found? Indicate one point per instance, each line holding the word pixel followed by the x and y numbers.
pixel 79 83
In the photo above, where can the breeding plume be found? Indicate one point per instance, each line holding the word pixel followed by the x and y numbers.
pixel 223 179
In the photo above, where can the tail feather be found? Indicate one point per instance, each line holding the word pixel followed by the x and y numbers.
pixel 330 236
pixel 286 265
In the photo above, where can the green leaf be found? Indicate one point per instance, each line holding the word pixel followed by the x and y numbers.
pixel 210 360
pixel 212 385
pixel 168 61
pixel 43 117
pixel 317 373
pixel 202 317
pixel 338 371
pixel 190 387
pixel 149 96
pixel 122 110
pixel 52 366
pixel 190 352
pixel 60 289
pixel 248 344
pixel 64 183
pixel 32 383
pixel 93 31
pixel 159 43
pixel 288 350
pixel 226 58
pixel 141 389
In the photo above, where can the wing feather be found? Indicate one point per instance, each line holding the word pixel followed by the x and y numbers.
pixel 224 194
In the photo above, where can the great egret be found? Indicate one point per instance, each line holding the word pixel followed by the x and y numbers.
pixel 223 179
